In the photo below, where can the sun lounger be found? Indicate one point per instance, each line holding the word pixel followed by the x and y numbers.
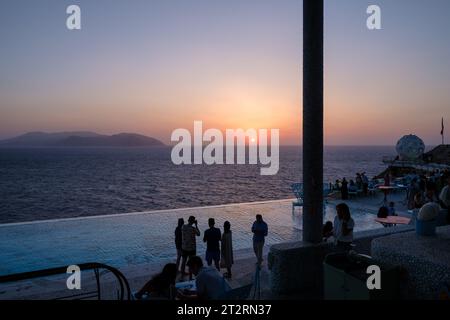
pixel 297 189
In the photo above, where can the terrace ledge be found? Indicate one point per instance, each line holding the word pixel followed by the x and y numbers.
pixel 297 267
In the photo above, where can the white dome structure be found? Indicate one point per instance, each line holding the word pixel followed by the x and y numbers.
pixel 410 148
pixel 429 212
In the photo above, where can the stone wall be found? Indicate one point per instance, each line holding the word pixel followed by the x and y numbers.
pixel 426 261
pixel 297 267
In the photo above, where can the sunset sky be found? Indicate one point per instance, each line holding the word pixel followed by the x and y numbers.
pixel 156 65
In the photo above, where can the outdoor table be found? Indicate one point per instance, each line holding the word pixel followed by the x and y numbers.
pixel 186 285
pixel 386 190
pixel 393 220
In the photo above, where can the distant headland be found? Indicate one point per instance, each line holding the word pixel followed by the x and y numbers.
pixel 81 139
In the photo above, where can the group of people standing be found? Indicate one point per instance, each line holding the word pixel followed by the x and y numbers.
pixel 361 182
pixel 209 283
pixel 423 189
pixel 219 246
pixel 433 188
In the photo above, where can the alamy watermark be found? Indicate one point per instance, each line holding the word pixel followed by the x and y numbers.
pixel 374 20
pixel 211 148
pixel 374 279
pixel 74 280
pixel 73 21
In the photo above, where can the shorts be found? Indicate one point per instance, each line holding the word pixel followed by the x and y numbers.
pixel 188 253
pixel 212 255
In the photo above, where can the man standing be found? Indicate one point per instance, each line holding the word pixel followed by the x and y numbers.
pixel 212 237
pixel 259 230
pixel 188 243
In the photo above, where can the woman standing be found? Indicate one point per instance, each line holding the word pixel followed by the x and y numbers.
pixel 227 249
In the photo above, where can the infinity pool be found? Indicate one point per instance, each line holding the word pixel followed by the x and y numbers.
pixel 142 238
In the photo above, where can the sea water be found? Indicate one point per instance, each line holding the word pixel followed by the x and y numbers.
pixel 50 183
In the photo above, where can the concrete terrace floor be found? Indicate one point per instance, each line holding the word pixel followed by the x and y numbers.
pixel 19 241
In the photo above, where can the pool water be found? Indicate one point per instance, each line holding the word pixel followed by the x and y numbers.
pixel 143 238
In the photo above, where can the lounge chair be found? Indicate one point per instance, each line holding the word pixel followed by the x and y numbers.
pixel 297 189
pixel 372 189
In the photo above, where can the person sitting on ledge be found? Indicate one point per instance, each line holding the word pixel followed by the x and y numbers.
pixel 210 284
pixel 343 227
pixel 161 286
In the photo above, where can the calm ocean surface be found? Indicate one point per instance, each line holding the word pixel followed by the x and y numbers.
pixel 49 183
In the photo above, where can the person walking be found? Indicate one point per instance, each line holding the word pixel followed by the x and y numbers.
pixel 260 230
pixel 226 260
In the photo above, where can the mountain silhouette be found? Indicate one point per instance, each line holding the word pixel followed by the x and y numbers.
pixel 81 139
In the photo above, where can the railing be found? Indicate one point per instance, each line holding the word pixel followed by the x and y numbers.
pixel 124 293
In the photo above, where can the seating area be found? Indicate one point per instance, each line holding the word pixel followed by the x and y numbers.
pixel 297 189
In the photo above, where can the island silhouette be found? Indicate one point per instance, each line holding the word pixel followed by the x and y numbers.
pixel 81 139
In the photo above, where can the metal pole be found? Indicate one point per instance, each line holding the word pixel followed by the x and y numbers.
pixel 313 25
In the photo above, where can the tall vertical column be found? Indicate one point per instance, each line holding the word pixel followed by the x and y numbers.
pixel 313 25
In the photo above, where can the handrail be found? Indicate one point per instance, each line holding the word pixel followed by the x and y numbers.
pixel 123 282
